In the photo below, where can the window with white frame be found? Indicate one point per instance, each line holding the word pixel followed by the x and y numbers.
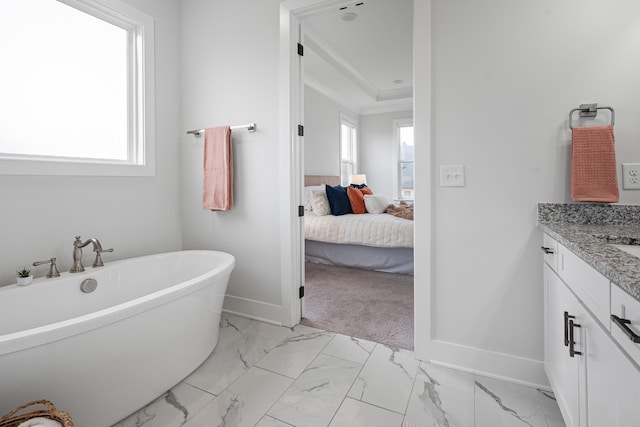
pixel 77 88
pixel 348 148
pixel 405 159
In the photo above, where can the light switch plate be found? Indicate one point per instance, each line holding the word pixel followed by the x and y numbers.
pixel 452 176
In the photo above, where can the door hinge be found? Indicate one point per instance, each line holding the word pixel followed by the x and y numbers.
pixel 300 49
pixel 301 291
pixel 300 210
pixel 300 130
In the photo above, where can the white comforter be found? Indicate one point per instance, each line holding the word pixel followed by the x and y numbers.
pixel 378 230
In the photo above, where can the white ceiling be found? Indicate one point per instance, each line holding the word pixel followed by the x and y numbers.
pixel 358 63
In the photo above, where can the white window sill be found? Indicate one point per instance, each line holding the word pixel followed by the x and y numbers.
pixel 81 167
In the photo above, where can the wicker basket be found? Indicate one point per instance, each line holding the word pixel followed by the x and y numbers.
pixel 25 412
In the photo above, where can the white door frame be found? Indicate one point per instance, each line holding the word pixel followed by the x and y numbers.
pixel 291 12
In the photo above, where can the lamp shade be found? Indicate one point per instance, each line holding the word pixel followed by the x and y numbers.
pixel 358 179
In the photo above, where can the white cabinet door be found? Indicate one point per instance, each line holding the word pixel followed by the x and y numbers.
pixel 591 287
pixel 597 385
pixel 612 381
pixel 626 327
pixel 563 370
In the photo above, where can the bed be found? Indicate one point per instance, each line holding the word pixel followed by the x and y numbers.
pixel 372 241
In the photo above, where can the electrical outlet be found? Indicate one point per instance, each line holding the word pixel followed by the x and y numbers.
pixel 631 176
pixel 452 176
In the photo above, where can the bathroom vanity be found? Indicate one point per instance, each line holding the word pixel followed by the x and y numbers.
pixel 592 314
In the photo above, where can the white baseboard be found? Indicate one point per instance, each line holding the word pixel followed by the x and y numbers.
pixel 477 361
pixel 264 312
pixel 491 364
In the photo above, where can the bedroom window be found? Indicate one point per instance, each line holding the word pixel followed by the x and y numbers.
pixel 348 148
pixel 404 164
pixel 77 88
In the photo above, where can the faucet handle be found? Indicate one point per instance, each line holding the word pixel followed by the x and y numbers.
pixel 98 261
pixel 53 270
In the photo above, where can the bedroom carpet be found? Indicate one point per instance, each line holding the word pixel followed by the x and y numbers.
pixel 364 304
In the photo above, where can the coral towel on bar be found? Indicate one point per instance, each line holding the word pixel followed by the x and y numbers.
pixel 217 189
pixel 593 165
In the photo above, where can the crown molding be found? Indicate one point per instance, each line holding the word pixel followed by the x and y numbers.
pixel 305 9
pixel 332 94
pixel 314 42
pixel 380 107
pixel 392 94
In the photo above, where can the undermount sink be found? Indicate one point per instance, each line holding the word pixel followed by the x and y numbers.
pixel 630 245
pixel 630 249
pixel 618 240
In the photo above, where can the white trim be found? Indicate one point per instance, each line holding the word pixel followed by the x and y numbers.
pixel 249 316
pixel 390 106
pixel 349 119
pixel 141 130
pixel 352 122
pixel 392 94
pixel 507 367
pixel 422 128
pixel 258 310
pixel 387 107
pixel 330 93
pixel 289 108
pixel 423 225
pixel 304 9
pixel 395 155
pixel 314 42
pixel 386 100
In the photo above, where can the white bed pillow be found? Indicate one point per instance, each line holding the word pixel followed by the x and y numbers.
pixel 375 203
pixel 320 203
pixel 307 195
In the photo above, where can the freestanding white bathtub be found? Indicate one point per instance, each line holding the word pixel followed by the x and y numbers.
pixel 102 355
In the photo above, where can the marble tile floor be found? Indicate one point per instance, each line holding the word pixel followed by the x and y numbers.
pixel 268 376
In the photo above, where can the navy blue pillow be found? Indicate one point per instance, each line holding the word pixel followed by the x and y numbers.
pixel 338 200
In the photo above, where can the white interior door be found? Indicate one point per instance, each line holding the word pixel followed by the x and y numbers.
pixel 299 155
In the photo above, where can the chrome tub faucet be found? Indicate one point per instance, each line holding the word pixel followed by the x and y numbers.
pixel 77 254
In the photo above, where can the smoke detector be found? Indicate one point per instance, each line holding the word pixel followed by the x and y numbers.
pixel 349 16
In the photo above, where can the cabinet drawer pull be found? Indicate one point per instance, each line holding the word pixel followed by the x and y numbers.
pixel 547 250
pixel 622 324
pixel 572 343
pixel 567 316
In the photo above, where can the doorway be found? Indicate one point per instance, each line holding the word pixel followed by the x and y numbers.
pixel 305 15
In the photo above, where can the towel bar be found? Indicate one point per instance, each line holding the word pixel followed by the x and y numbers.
pixel 590 110
pixel 251 127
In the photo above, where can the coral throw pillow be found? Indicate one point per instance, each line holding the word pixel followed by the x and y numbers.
pixel 356 198
pixel 363 188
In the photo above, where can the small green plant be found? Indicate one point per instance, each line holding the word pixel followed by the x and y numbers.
pixel 24 273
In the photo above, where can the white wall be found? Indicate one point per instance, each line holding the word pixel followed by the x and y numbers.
pixel 378 150
pixel 321 133
pixel 134 215
pixel 505 75
pixel 230 53
pixel 376 141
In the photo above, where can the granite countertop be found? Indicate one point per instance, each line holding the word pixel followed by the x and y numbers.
pixel 588 230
